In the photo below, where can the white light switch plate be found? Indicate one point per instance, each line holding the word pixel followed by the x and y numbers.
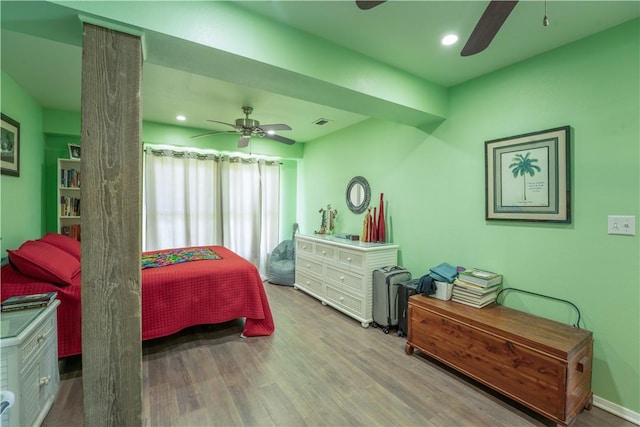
pixel 620 224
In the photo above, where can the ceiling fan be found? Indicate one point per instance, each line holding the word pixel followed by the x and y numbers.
pixel 486 29
pixel 247 128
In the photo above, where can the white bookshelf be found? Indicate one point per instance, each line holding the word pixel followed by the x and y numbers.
pixel 68 202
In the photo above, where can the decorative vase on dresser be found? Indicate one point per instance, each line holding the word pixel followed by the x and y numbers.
pixel 339 272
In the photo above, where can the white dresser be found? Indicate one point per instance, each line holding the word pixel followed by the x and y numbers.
pixel 339 272
pixel 29 363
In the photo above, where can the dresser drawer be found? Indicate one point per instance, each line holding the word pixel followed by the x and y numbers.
pixel 36 340
pixel 351 260
pixel 306 265
pixel 339 279
pixel 325 252
pixel 309 282
pixel 345 301
pixel 304 247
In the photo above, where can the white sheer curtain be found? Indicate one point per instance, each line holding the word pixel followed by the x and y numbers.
pixel 195 199
pixel 250 207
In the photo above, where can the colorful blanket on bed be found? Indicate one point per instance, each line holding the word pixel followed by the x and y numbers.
pixel 176 256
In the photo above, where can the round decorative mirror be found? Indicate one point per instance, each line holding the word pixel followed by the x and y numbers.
pixel 358 195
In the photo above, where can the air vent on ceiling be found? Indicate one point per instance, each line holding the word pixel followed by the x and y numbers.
pixel 321 122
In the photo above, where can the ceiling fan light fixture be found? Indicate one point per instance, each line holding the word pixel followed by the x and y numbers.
pixel 247 128
pixel 449 39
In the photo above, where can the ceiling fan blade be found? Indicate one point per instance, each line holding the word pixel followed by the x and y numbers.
pixel 222 123
pixel 280 139
pixel 212 133
pixel 488 26
pixel 368 4
pixel 275 127
pixel 243 141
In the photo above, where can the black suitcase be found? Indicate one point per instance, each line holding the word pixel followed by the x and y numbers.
pixel 385 292
pixel 405 290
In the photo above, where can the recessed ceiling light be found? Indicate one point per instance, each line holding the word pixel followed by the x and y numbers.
pixel 181 118
pixel 271 132
pixel 449 39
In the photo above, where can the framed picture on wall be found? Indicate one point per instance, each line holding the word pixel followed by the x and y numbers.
pixel 74 151
pixel 10 146
pixel 527 177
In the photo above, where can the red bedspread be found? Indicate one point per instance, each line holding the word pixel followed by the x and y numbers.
pixel 173 298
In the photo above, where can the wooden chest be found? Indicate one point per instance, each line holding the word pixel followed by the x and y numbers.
pixel 543 364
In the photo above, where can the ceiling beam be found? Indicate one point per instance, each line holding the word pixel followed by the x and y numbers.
pixel 221 41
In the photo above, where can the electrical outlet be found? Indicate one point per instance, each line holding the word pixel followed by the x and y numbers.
pixel 620 224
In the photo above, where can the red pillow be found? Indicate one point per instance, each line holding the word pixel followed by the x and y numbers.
pixel 45 262
pixel 63 242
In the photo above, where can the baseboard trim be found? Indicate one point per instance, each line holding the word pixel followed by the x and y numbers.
pixel 615 409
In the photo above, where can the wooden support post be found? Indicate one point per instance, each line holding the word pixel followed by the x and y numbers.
pixel 111 227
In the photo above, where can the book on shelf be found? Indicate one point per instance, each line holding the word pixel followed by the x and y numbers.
pixel 480 277
pixel 69 178
pixel 69 206
pixel 72 231
pixel 23 302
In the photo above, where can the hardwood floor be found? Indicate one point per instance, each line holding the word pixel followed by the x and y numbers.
pixel 319 368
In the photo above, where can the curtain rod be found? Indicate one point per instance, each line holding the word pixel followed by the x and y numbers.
pixel 209 156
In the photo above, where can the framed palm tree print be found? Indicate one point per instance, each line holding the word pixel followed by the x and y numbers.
pixel 527 177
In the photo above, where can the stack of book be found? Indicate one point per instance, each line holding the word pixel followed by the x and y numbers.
pixel 72 231
pixel 475 287
pixel 24 302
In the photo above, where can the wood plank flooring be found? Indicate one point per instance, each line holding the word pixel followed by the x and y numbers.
pixel 319 368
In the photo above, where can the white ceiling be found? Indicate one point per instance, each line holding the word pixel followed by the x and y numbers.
pixel 43 55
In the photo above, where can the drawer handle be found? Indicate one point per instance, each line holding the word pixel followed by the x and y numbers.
pixel 304 246
pixel 341 299
pixel 308 265
pixel 45 380
pixel 349 259
pixel 342 278
pixel 582 363
pixel 40 338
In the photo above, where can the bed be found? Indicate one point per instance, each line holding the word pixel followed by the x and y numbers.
pixel 174 296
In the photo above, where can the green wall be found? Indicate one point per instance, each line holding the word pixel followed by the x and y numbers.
pixel 434 187
pixel 22 197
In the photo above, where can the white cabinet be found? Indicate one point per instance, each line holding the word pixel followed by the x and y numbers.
pixel 29 363
pixel 339 272
pixel 69 197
